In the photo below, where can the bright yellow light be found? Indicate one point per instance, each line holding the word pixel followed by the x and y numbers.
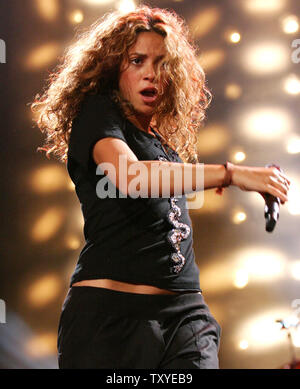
pixel 49 179
pixel 293 145
pixel 239 217
pixel 295 270
pixel 76 17
pixel 48 9
pixel 72 242
pixel 48 224
pixel 42 56
pixel 235 37
pixel 204 21
pixel 211 59
pixel 262 331
pixel 292 85
pixel 296 336
pixel 266 123
pixel 42 345
pixel 241 278
pixel 239 156
pixel 212 202
pixel 125 6
pixel 265 58
pixel 212 139
pixel 290 24
pixel 243 344
pixel 264 6
pixel 98 2
pixel 262 264
pixel 44 290
pixel 233 91
pixel 294 194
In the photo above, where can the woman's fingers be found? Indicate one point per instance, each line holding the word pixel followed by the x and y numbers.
pixel 277 193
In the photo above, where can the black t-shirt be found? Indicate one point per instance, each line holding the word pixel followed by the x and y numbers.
pixel 136 240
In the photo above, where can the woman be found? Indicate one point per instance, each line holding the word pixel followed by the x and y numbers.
pixel 131 87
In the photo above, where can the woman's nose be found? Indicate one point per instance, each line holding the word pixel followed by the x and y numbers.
pixel 149 73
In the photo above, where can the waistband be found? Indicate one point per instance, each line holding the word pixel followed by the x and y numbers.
pixel 143 306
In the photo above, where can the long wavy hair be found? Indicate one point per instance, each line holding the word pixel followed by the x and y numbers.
pixel 92 63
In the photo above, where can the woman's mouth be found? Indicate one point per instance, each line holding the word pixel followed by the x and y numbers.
pixel 149 95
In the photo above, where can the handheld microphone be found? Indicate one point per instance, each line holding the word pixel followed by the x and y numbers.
pixel 271 207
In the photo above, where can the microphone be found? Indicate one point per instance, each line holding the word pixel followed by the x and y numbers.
pixel 271 207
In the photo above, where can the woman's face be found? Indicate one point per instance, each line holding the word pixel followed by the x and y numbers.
pixel 137 80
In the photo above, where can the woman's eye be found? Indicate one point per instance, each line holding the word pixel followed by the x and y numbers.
pixel 136 61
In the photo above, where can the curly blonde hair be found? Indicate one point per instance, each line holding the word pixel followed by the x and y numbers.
pixel 92 64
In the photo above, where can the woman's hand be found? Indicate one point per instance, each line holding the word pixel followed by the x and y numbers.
pixel 262 180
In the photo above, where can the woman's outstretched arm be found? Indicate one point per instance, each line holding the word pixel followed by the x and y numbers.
pixel 157 178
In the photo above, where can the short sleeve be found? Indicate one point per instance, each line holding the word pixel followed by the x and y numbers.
pixel 98 118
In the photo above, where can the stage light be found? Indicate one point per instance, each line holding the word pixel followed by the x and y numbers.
pixel 48 9
pixel 125 6
pixel 211 59
pixel 292 85
pixel 290 24
pixel 265 58
pixel 43 345
pixel 239 156
pixel 239 217
pixel 265 123
pixel 261 264
pixel 293 145
pixel 241 278
pixel 44 290
pixel 98 2
pixel 234 37
pixel 212 139
pixel 263 7
pixel 76 17
pixel 47 224
pixel 233 91
pixel 49 179
pixel 42 56
pixel 72 242
pixel 204 21
pixel 294 194
pixel 243 344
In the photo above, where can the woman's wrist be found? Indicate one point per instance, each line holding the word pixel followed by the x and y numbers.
pixel 228 177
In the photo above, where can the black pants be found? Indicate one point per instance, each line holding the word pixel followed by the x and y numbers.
pixel 100 328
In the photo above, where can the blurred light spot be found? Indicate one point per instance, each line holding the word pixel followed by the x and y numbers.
pixel 295 270
pixel 261 264
pixel 71 185
pixel 48 224
pixel 296 336
pixel 294 194
pixel 262 330
pixel 72 242
pixel 44 290
pixel 264 6
pixel 239 156
pixel 233 91
pixel 211 59
pixel 98 2
pixel 125 6
pixel 76 16
pixel 49 179
pixel 48 9
pixel 293 145
pixel 290 24
pixel 42 345
pixel 234 37
pixel 42 56
pixel 241 278
pixel 243 344
pixel 292 85
pixel 265 58
pixel 266 123
pixel 204 21
pixel 212 202
pixel 239 217
pixel 212 139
